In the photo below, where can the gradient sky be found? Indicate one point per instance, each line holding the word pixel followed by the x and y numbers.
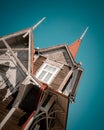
pixel 65 22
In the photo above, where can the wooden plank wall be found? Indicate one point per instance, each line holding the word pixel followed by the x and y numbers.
pixel 5 107
pixel 23 57
pixel 13 122
pixel 60 77
pixel 38 63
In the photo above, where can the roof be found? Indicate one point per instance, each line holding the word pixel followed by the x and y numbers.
pixel 64 47
pixel 73 48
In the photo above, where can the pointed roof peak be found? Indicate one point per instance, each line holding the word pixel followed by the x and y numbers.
pixel 73 48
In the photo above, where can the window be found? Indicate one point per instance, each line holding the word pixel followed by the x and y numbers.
pixel 47 72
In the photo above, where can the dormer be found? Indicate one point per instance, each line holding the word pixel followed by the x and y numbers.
pixel 56 67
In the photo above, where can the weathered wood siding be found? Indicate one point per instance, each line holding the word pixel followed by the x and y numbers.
pixel 39 61
pixel 18 42
pixel 62 116
pixel 60 77
pixel 13 123
pixel 58 53
pixel 4 106
pixel 76 82
pixel 72 84
pixel 23 57
pixel 57 56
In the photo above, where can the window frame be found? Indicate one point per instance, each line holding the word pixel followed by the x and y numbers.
pixel 42 68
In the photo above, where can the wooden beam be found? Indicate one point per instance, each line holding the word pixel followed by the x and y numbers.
pixel 20 64
pixel 33 27
pixel 7 117
pixel 65 81
pixel 17 60
pixel 29 52
pixel 15 49
pixel 14 34
pixel 49 104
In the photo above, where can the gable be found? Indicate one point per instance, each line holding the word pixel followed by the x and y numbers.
pixel 22 46
pixel 58 56
pixel 18 52
pixel 59 53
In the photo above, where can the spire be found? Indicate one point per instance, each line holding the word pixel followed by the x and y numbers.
pixel 75 45
pixel 73 48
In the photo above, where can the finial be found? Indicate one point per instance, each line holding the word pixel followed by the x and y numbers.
pixel 38 23
pixel 33 27
pixel 84 33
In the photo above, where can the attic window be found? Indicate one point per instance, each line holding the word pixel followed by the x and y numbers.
pixel 46 73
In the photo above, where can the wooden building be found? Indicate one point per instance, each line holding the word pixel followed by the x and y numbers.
pixel 36 85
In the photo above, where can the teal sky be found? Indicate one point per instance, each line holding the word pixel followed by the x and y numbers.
pixel 65 22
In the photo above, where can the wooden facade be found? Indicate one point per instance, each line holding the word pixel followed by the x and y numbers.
pixel 36 85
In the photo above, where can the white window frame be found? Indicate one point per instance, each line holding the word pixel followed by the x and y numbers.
pixel 47 72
